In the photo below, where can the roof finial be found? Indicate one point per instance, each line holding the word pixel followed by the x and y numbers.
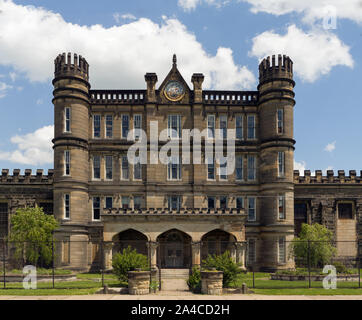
pixel 174 60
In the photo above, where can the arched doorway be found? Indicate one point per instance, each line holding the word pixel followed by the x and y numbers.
pixel 134 239
pixel 174 249
pixel 217 242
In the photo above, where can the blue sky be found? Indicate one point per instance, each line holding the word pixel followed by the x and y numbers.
pixel 224 39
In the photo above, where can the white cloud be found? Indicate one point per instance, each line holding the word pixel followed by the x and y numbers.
pixel 330 146
pixel 119 17
pixel 118 56
pixel 3 89
pixel 314 53
pixel 189 5
pixel 39 101
pixel 31 149
pixel 301 166
pixel 12 76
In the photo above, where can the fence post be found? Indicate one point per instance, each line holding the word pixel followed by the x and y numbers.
pixel 53 273
pixel 102 263
pixel 308 255
pixel 359 271
pixel 4 258
pixel 253 278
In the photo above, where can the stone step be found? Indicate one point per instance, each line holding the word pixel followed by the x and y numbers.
pixel 174 279
pixel 175 273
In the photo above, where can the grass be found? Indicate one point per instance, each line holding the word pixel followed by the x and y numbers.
pixel 40 271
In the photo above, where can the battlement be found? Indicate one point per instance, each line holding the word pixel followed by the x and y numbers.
pixel 27 177
pixel 66 66
pixel 270 69
pixel 329 178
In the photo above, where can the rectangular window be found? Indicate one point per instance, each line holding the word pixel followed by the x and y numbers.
pixel 125 168
pixel 137 171
pixel 174 126
pixel 66 162
pixel 281 207
pixel 281 250
pixel 109 167
pixel 125 126
pixel 251 168
pixel 66 206
pixel 96 167
pixel 109 126
pixel 109 202
pixel 174 203
pixel 96 208
pixel 239 168
pixel 239 203
pixel 4 219
pixel 211 169
pixel 223 171
pixel 137 126
pixel 174 169
pixel 211 126
pixel 281 166
pixel 251 127
pixel 239 127
pixel 137 200
pixel 67 119
pixel 96 125
pixel 251 251
pixel 211 202
pixel 345 211
pixel 125 202
pixel 280 121
pixel 223 126
pixel 251 209
pixel 223 202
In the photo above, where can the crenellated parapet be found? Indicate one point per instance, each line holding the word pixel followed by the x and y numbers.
pixel 341 177
pixel 65 65
pixel 270 68
pixel 27 177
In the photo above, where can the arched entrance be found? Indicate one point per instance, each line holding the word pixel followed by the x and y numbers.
pixel 217 242
pixel 174 250
pixel 134 239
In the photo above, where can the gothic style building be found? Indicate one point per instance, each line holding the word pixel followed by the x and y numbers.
pixel 178 213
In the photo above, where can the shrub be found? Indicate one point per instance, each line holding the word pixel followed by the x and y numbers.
pixel 128 260
pixel 223 263
pixel 194 281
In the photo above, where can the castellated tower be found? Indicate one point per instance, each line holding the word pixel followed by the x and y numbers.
pixel 276 105
pixel 71 118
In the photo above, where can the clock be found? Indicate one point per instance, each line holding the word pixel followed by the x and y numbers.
pixel 174 91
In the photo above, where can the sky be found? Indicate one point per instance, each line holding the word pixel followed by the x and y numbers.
pixel 224 39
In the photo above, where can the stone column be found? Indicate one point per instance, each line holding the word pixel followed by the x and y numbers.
pixel 196 253
pixel 240 253
pixel 232 247
pixel 152 250
pixel 107 255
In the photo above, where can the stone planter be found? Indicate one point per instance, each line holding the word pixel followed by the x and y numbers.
pixel 139 282
pixel 211 282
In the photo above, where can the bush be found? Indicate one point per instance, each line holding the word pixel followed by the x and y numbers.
pixel 128 260
pixel 223 263
pixel 194 281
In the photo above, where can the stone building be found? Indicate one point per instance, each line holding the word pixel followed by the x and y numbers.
pixel 178 213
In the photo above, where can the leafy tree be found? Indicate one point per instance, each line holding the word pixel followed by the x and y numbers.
pixel 128 260
pixel 32 234
pixel 194 280
pixel 316 239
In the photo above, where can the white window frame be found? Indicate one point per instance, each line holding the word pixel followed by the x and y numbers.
pixel 178 170
pixel 281 203
pixel 221 175
pixel 282 258
pixel 212 129
pixel 169 126
pixel 238 167
pixel 280 121
pixel 122 168
pixel 214 171
pixel 66 216
pixel 242 126
pixel 254 215
pixel 254 131
pixel 223 118
pixel 67 121
pixel 125 116
pixel 281 164
pixel 136 165
pixel 106 167
pixel 137 129
pixel 251 156
pixel 106 126
pixel 179 202
pixel 93 208
pixel 94 127
pixel 249 261
pixel 67 163
pixel 93 167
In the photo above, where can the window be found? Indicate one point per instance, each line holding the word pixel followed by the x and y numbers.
pixel 251 251
pixel 280 121
pixel 109 167
pixel 137 171
pixel 4 219
pixel 239 127
pixel 251 168
pixel 211 169
pixel 109 202
pixel 137 200
pixel 281 250
pixel 223 126
pixel 223 171
pixel 281 207
pixel 211 126
pixel 239 168
pixel 47 208
pixel 174 203
pixel 96 167
pixel 345 211
pixel 174 169
pixel 211 202
pixel 96 208
pixel 66 206
pixel 96 126
pixel 67 119
pixel 239 203
pixel 223 202
pixel 125 168
pixel 281 166
pixel 125 126
pixel 125 202
pixel 251 127
pixel 251 209
pixel 137 125
pixel 66 162
pixel 109 126
pixel 174 126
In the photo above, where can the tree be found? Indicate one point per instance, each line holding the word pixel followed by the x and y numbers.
pixel 316 239
pixel 32 234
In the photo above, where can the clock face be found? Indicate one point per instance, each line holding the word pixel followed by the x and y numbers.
pixel 174 91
